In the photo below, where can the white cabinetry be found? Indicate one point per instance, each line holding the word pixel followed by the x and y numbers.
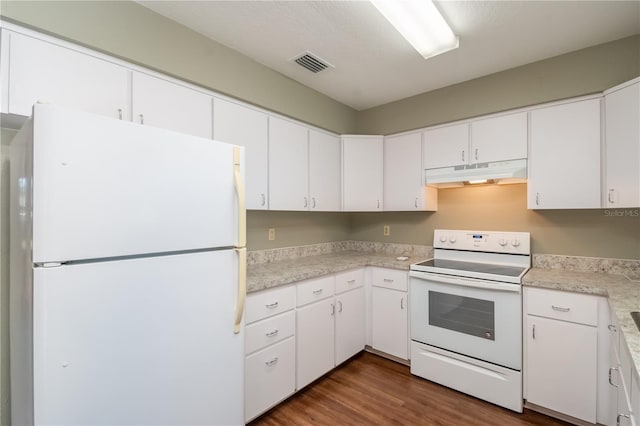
pixel 404 189
pixel 624 394
pixel 34 70
pixel 244 126
pixel 162 103
pixel 324 171
pixel 362 167
pixel 288 165
pixel 564 156
pixel 270 348
pixel 622 145
pixel 446 146
pixel 350 314
pixel 389 307
pixel 561 352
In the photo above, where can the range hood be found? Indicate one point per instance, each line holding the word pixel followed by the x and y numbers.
pixel 512 171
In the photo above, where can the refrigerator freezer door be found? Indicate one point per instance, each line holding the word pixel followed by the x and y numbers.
pixel 139 341
pixel 104 188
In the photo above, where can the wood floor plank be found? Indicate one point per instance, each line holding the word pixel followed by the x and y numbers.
pixel 371 390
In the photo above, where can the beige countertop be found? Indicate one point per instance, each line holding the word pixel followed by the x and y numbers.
pixel 623 294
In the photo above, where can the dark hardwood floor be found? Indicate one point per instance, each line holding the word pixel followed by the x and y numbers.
pixel 371 390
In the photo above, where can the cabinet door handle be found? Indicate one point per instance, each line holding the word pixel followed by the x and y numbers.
pixel 476 153
pixel 271 362
pixel 612 328
pixel 263 200
pixel 560 308
pixel 271 305
pixel 415 203
pixel 306 202
pixel 533 333
pixel 378 203
pixel 537 198
pixel 141 118
pixel 318 291
pixel 402 303
pixel 339 306
pixel 463 155
pixel 333 309
pixel 610 196
pixel 610 382
pixel 272 333
pixel 313 202
pixel 119 113
pixel 351 282
pixel 626 416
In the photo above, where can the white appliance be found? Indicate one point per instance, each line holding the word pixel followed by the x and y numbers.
pixel 466 314
pixel 128 273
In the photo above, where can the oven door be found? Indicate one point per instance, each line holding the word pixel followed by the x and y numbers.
pixel 472 317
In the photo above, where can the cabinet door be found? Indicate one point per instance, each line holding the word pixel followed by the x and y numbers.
pixel 499 138
pixel 564 156
pixel 162 103
pixel 403 186
pixel 288 165
pixel 240 125
pixel 446 146
pixel 314 341
pixel 561 366
pixel 349 324
pixel 362 173
pixel 324 171
pixel 43 71
pixel 622 142
pixel 389 321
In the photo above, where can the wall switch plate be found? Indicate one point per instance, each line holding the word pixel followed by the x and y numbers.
pixel 272 234
pixel 386 230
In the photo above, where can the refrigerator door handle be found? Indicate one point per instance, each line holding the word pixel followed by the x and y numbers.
pixel 242 287
pixel 240 191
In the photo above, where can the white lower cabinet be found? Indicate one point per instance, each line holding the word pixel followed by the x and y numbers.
pixel 315 342
pixel 561 352
pixel 389 312
pixel 270 365
pixel 349 331
pixel 622 381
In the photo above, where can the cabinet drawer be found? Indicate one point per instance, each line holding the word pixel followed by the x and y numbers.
pixel 315 289
pixel 578 308
pixel 349 280
pixel 390 278
pixel 267 303
pixel 270 377
pixel 269 331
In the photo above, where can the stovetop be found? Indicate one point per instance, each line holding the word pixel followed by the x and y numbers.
pixel 484 268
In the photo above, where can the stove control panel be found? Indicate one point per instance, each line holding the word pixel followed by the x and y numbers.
pixel 483 241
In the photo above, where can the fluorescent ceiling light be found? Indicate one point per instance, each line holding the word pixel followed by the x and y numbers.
pixel 420 22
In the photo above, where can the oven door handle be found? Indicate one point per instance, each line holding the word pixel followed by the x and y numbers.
pixel 465 282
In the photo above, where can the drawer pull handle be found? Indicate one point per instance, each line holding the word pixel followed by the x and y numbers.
pixel 387 280
pixel 402 303
pixel 533 332
pixel 272 333
pixel 610 382
pixel 626 416
pixel 318 291
pixel 351 282
pixel 272 305
pixel 560 308
pixel 339 306
pixel 274 361
pixel 612 328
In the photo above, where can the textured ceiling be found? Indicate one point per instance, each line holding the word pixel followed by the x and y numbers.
pixel 374 65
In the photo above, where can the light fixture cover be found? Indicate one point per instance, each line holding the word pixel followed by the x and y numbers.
pixel 420 22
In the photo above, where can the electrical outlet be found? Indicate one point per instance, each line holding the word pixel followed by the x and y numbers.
pixel 386 230
pixel 272 234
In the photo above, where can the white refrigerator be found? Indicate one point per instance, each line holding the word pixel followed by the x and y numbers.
pixel 128 274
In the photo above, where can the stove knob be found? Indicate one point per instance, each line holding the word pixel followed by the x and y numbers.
pixel 443 238
pixel 502 242
pixel 515 243
pixel 452 239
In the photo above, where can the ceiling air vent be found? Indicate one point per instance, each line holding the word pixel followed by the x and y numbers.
pixel 312 62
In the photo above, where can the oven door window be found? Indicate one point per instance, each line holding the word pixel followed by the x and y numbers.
pixel 475 317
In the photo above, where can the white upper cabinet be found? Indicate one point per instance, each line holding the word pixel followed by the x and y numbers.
pixel 244 126
pixel 622 146
pixel 162 103
pixel 499 138
pixel 36 70
pixel 564 156
pixel 446 146
pixel 324 171
pixel 362 166
pixel 403 186
pixel 288 165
